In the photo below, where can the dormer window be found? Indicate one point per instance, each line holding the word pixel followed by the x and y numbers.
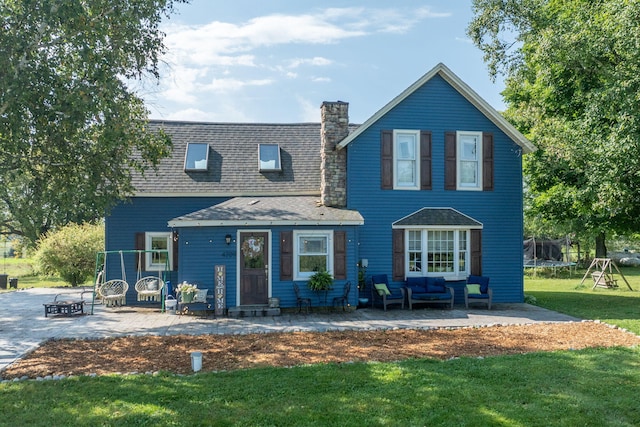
pixel 269 157
pixel 196 157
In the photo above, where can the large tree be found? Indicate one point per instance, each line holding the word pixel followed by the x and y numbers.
pixel 69 122
pixel 572 75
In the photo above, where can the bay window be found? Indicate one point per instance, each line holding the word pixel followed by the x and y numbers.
pixel 438 252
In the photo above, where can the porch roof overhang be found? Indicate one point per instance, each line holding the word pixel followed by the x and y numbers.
pixel 445 218
pixel 264 211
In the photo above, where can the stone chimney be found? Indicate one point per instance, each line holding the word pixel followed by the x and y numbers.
pixel 334 128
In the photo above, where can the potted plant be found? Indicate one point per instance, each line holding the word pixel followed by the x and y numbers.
pixel 321 281
pixel 187 291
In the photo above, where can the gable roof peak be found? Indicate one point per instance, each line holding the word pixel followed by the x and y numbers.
pixel 462 88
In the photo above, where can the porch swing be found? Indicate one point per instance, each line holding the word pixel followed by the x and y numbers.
pixel 148 288
pixel 114 292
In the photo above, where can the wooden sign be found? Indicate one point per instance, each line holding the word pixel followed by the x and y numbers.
pixel 220 285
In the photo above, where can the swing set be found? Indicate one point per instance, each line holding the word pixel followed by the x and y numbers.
pixel 602 274
pixel 113 292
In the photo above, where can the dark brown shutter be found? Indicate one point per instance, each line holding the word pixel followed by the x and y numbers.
pixel 487 161
pixel 425 160
pixel 139 246
pixel 398 255
pixel 476 252
pixel 339 255
pixel 176 245
pixel 450 177
pixel 386 160
pixel 286 255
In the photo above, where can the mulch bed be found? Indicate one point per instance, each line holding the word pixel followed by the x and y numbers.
pixel 144 354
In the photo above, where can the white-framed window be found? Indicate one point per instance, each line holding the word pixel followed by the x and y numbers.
pixel 163 259
pixel 437 252
pixel 469 167
pixel 196 157
pixel 269 157
pixel 406 155
pixel 313 251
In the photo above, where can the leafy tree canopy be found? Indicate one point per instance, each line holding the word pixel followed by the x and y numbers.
pixel 572 76
pixel 69 125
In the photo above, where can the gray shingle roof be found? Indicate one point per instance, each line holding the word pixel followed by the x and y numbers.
pixel 437 217
pixel 302 210
pixel 233 160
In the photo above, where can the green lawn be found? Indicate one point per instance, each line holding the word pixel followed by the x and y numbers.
pixel 594 387
pixel 23 270
pixel 587 388
pixel 619 306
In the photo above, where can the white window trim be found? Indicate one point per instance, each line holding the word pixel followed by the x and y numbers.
pixel 479 152
pixel 206 158
pixel 296 251
pixel 452 276
pixel 148 264
pixel 396 158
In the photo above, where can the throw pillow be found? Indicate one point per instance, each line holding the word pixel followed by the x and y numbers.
pixel 382 289
pixel 415 289
pixel 436 285
pixel 201 295
pixel 473 289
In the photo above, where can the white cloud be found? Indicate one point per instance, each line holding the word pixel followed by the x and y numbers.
pixel 226 112
pixel 232 85
pixel 316 61
pixel 224 43
pixel 182 84
pixel 464 40
pixel 230 57
pixel 309 112
pixel 190 114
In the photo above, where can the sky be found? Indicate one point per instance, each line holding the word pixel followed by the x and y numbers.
pixel 276 61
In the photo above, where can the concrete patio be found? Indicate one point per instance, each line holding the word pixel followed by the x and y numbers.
pixel 23 325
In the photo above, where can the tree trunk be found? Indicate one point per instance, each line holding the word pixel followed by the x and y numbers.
pixel 601 247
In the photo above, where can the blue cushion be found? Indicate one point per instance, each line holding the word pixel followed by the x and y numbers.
pixel 415 281
pixel 380 278
pixel 395 293
pixel 433 296
pixel 478 296
pixel 436 284
pixel 416 284
pixel 415 289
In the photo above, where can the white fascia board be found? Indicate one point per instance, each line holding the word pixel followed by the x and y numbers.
pixel 438 227
pixel 241 223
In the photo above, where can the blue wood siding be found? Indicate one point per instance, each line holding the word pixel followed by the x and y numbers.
pixel 143 214
pixel 202 248
pixel 437 107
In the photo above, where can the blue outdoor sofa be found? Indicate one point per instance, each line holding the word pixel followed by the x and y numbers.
pixel 428 290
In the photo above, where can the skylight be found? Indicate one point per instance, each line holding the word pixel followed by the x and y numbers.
pixel 196 157
pixel 269 157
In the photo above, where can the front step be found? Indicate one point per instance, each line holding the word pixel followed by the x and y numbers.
pixel 253 311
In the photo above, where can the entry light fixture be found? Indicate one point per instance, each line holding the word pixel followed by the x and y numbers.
pixel 227 239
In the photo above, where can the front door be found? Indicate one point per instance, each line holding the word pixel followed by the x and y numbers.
pixel 254 268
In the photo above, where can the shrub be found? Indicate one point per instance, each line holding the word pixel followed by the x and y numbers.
pixel 70 252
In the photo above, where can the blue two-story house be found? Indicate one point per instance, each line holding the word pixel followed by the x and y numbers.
pixel 430 185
